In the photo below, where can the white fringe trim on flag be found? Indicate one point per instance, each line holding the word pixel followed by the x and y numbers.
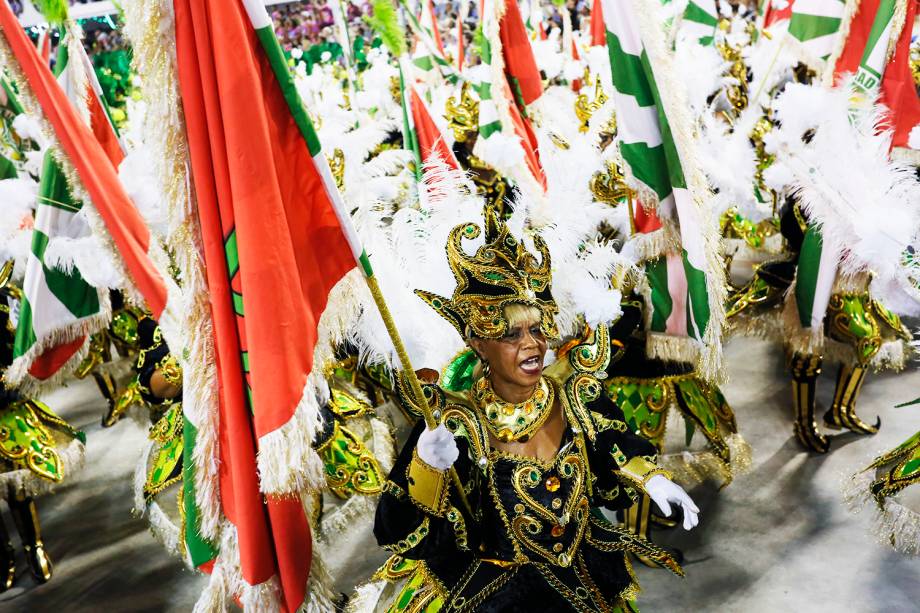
pixel 287 462
pixel 17 374
pixel 188 328
pixel 140 479
pixel 167 533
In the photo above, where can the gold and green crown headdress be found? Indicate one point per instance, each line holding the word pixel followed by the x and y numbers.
pixel 500 273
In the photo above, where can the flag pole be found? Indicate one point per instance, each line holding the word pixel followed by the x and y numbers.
pixel 262 24
pixel 432 418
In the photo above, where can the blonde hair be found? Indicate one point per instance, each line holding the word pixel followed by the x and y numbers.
pixel 517 313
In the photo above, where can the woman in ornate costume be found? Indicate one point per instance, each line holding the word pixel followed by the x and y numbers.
pixel 538 452
pixel 37 450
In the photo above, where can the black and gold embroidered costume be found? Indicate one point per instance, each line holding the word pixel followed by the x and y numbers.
pixel 537 539
pixel 534 536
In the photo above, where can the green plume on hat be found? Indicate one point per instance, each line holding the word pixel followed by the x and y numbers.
pixel 386 23
pixel 55 11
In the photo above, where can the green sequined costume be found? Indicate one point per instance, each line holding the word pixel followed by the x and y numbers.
pixel 38 448
pixel 891 486
pixel 860 334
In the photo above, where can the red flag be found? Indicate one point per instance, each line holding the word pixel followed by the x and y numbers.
pixel 576 84
pixel 520 64
pixel 898 91
pixel 773 15
pixel 273 248
pixel 89 159
pixel 857 37
pixel 598 29
pixel 430 139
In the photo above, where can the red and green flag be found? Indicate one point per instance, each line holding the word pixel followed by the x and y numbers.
pixel 276 239
pixel 59 307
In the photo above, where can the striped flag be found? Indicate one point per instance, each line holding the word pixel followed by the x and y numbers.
pixel 430 24
pixel 815 24
pixel 509 82
pixel 685 285
pixel 85 160
pixel 428 52
pixel 878 36
pixel 701 17
pixel 276 239
pixel 59 308
pixel 421 134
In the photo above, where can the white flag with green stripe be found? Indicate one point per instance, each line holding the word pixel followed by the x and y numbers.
pixel 428 54
pixel 701 17
pixel 815 24
pixel 686 287
pixel 59 308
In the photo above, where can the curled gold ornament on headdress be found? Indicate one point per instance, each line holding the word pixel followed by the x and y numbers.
pixel 462 116
pixel 500 273
pixel 610 186
pixel 585 108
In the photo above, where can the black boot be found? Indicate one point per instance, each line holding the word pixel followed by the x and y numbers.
pixel 26 517
pixel 7 559
pixel 842 413
pixel 805 370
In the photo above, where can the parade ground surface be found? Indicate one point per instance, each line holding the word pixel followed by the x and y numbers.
pixel 779 538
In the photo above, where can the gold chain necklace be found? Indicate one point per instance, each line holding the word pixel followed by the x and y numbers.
pixel 509 421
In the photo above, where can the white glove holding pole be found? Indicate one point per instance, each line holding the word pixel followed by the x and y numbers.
pixel 665 492
pixel 437 448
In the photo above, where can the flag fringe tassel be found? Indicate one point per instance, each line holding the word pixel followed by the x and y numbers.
pixel 894 525
pixel 17 374
pixel 150 27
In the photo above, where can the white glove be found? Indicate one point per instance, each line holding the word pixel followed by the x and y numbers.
pixel 437 448
pixel 664 491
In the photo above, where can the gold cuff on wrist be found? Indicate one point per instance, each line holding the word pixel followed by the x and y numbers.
pixel 427 486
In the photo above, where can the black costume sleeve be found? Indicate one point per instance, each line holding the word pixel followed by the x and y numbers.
pixel 614 447
pixel 401 526
pixel 153 349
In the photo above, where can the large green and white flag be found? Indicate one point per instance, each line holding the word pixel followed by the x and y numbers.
pixel 59 308
pixel 701 17
pixel 815 24
pixel 686 282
